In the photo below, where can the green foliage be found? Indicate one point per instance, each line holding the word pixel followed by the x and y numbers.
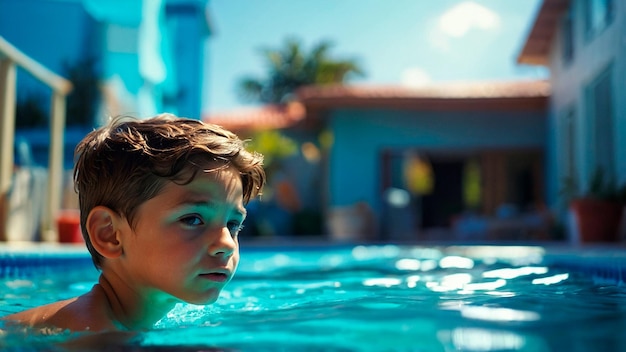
pixel 601 187
pixel 81 102
pixel 290 67
pixel 326 139
pixel 273 145
pixel 29 112
pixel 472 189
pixel 83 99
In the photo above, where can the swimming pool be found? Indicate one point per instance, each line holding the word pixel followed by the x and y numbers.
pixel 378 298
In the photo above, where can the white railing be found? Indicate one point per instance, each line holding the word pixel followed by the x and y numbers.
pixel 10 59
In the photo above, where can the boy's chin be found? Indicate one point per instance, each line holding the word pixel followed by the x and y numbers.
pixel 203 301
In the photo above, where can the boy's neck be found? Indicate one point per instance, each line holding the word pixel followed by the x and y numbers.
pixel 129 309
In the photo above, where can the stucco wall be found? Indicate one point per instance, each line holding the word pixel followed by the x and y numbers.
pixel 188 65
pixel 591 57
pixel 361 136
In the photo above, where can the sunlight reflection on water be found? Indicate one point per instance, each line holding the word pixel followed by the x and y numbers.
pixel 431 299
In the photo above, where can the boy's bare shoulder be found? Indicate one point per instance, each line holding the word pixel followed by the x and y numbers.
pixel 43 316
pixel 89 312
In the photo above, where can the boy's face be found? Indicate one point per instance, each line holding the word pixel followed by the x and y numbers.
pixel 185 243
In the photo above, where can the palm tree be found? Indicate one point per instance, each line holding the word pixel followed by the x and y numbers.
pixel 290 67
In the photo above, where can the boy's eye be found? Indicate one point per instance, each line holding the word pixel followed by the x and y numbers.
pixel 234 227
pixel 192 220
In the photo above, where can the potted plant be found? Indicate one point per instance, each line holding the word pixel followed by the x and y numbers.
pixel 598 212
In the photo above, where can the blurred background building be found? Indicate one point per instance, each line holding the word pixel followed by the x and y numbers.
pixel 123 57
pixel 466 160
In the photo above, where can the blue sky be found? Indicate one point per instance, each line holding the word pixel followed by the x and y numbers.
pixel 396 42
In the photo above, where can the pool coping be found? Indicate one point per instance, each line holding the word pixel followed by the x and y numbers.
pixel 601 261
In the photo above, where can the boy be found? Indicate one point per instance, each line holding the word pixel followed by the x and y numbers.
pixel 161 202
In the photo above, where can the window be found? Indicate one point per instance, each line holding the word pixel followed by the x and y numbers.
pixel 600 114
pixel 567 37
pixel 568 148
pixel 598 15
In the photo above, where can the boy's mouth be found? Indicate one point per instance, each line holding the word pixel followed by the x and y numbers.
pixel 215 276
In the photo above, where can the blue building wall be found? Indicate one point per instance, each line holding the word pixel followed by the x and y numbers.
pixel 54 33
pixel 360 136
pixel 61 33
pixel 185 86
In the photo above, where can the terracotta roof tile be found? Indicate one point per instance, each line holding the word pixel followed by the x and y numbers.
pixel 450 96
pixel 440 96
pixel 537 45
pixel 448 90
pixel 262 117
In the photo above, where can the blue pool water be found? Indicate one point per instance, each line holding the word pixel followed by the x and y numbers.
pixel 360 298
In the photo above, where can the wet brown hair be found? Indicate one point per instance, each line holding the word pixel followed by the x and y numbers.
pixel 128 161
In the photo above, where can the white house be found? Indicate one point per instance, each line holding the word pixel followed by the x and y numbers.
pixel 583 43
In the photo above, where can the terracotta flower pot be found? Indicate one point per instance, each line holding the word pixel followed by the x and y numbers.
pixel 598 220
pixel 68 225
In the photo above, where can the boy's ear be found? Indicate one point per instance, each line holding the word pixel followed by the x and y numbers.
pixel 103 227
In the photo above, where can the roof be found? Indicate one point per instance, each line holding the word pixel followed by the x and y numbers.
pixel 262 117
pixel 451 96
pixel 537 45
pixel 483 95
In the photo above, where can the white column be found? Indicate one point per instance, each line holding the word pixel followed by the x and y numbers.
pixel 7 135
pixel 55 167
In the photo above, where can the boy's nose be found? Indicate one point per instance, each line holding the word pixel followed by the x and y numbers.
pixel 223 244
